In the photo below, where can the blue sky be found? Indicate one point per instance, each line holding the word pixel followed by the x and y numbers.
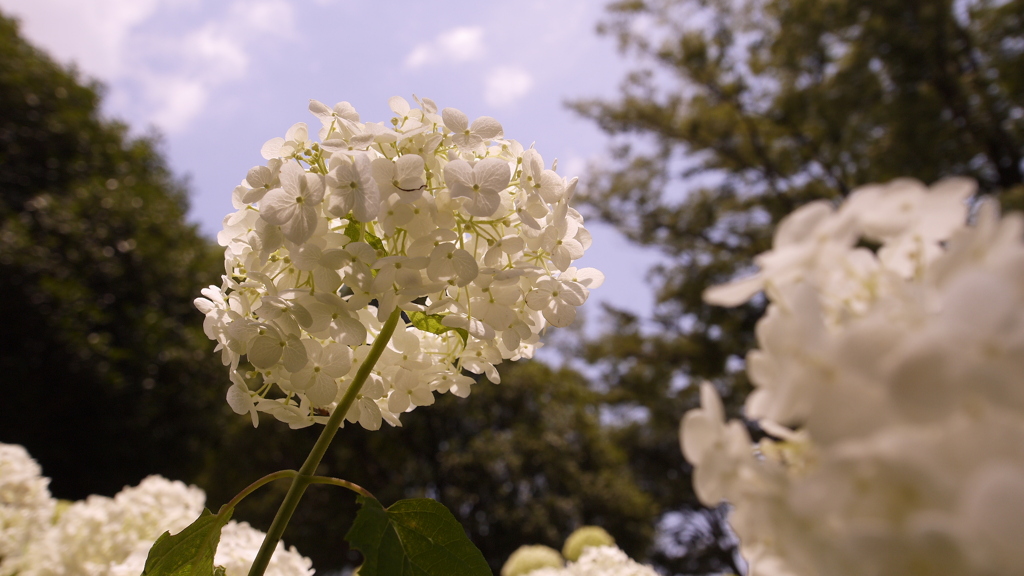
pixel 219 78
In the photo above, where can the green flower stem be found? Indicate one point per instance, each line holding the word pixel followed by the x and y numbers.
pixel 256 485
pixel 343 483
pixel 306 473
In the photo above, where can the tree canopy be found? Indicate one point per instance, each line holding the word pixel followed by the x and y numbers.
pixel 737 113
pixel 105 367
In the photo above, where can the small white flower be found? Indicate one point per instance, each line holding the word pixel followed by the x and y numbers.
pixel 351 188
pixel 294 205
pixel 471 138
pixel 481 183
pixel 403 176
pixel 557 300
pixel 318 378
pixel 295 142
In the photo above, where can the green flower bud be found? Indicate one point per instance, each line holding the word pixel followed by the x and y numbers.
pixel 526 559
pixel 584 537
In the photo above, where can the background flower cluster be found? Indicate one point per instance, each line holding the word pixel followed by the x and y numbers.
pixel 100 536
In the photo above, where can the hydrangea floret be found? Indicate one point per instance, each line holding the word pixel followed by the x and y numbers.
pixel 889 380
pixel 465 236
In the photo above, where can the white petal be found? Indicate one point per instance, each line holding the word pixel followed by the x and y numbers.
pixel 323 390
pixel 278 207
pixel 465 265
pixel 302 225
pixel 458 175
pixel 492 174
pixel 272 148
pixel 265 351
pixel 486 127
pixel 559 314
pixel 734 293
pixel 454 120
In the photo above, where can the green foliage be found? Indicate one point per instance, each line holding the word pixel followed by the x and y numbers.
pixel 413 538
pixel 105 365
pixel 740 112
pixel 191 551
pixel 432 323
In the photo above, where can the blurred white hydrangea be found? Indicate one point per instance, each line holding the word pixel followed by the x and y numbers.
pixel 102 536
pixel 94 534
pixel 26 508
pixel 469 234
pixel 890 378
pixel 599 561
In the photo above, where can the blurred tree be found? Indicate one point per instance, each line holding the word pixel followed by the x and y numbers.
pixel 523 462
pixel 740 111
pixel 106 374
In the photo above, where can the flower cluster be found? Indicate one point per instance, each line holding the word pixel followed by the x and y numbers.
pixel 889 380
pixel 102 536
pixel 26 507
pixel 590 551
pixel 599 561
pixel 469 236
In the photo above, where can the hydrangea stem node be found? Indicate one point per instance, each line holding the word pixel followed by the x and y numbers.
pixel 305 475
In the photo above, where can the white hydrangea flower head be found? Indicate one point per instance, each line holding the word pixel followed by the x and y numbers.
pixel 469 235
pixel 26 507
pixel 890 383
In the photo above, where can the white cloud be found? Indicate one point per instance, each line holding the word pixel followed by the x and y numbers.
pixel 462 44
pixel 216 54
pixel 181 101
pixel 505 85
pixel 158 74
pixel 92 34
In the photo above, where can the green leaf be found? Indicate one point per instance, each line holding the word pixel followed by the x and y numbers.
pixel 418 537
pixel 353 230
pixel 432 323
pixel 428 322
pixel 189 552
pixel 374 241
